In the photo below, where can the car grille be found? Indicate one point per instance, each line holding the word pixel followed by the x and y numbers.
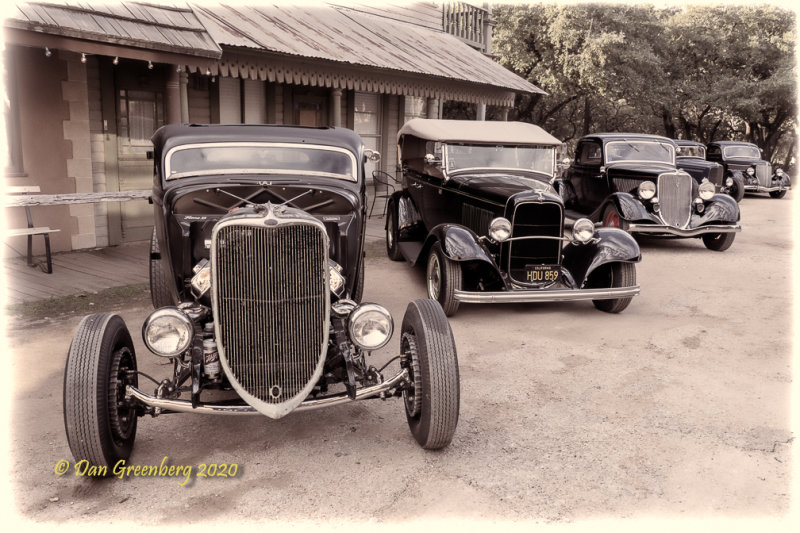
pixel 764 174
pixel 270 307
pixel 534 219
pixel 675 197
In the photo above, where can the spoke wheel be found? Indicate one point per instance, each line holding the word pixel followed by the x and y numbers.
pixel 100 424
pixel 443 278
pixel 432 404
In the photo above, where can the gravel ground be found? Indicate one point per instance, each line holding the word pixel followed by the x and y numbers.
pixel 676 409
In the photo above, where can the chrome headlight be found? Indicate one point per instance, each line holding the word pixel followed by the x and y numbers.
pixel 699 205
pixel 751 171
pixel 647 189
pixel 370 326
pixel 779 172
pixel 201 281
pixel 167 332
pixel 583 230
pixel 500 229
pixel 729 182
pixel 706 190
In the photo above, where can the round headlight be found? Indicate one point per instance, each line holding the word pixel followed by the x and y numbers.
pixel 729 182
pixel 583 230
pixel 370 326
pixel 706 190
pixel 779 172
pixel 751 171
pixel 647 189
pixel 500 229
pixel 167 332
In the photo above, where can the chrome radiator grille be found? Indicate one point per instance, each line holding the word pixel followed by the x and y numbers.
pixel 271 307
pixel 675 197
pixel 534 219
pixel 764 174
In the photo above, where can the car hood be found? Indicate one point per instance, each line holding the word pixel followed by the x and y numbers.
pixel 633 168
pixel 500 186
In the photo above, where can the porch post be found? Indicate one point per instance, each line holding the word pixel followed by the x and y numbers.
pixel 184 81
pixel 480 111
pixel 173 96
pixel 433 108
pixel 335 118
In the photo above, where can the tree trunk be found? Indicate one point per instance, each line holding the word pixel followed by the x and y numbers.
pixel 587 116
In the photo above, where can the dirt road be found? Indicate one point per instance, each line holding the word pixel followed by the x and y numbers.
pixel 677 408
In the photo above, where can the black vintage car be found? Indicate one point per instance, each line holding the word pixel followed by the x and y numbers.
pixel 743 161
pixel 630 181
pixel 691 157
pixel 258 264
pixel 478 209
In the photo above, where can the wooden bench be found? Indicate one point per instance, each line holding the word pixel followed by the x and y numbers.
pixel 32 230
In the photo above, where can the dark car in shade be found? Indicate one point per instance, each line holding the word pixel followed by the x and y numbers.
pixel 745 162
pixel 631 181
pixel 691 157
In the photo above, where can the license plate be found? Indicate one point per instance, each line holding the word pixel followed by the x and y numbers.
pixel 542 273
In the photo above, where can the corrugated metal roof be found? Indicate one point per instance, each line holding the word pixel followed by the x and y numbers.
pixel 345 35
pixel 170 28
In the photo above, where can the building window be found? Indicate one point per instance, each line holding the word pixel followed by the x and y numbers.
pixel 13 165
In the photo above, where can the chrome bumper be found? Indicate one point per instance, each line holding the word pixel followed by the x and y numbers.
pixel 185 406
pixel 544 295
pixel 761 188
pixel 693 232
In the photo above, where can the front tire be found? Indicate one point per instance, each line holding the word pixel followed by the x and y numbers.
pixel 443 278
pixel 160 290
pixel 737 189
pixel 778 194
pixel 429 350
pixel 100 425
pixel 719 242
pixel 614 275
pixel 393 234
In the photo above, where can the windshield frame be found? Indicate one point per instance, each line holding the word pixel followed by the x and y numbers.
pixel 168 176
pixel 726 155
pixel 639 141
pixel 446 159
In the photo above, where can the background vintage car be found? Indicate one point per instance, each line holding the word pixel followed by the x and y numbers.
pixel 630 181
pixel 691 157
pixel 743 160
pixel 477 207
pixel 257 267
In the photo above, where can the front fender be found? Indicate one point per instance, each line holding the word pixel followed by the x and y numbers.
pixel 458 243
pixel 720 209
pixel 611 245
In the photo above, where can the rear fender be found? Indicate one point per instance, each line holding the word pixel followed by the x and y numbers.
pixel 611 245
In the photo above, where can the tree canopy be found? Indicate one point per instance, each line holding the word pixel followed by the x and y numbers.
pixel 699 72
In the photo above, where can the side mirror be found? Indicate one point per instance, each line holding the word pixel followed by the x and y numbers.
pixel 372 155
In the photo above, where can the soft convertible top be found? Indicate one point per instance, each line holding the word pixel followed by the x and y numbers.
pixel 477 131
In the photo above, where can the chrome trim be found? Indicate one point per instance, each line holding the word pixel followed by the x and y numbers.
pixel 691 232
pixel 760 188
pixel 185 406
pixel 675 204
pixel 558 295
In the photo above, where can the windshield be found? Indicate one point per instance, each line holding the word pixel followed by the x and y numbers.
pixel 260 158
pixel 692 151
pixel 741 152
pixel 506 157
pixel 649 151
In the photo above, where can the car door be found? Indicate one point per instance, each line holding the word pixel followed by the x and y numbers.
pixel 587 180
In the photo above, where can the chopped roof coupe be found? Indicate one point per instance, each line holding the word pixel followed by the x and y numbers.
pixel 478 210
pixel 257 275
pixel 691 157
pixel 630 181
pixel 744 161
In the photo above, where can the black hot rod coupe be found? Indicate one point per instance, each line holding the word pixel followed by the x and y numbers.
pixel 691 157
pixel 744 161
pixel 258 272
pixel 630 181
pixel 477 207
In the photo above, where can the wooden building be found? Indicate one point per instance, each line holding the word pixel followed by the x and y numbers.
pixel 87 85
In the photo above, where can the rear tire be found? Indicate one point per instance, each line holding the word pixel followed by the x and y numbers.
pixel 100 426
pixel 616 275
pixel 719 242
pixel 432 402
pixel 393 234
pixel 612 218
pixel 443 278
pixel 160 289
pixel 778 194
